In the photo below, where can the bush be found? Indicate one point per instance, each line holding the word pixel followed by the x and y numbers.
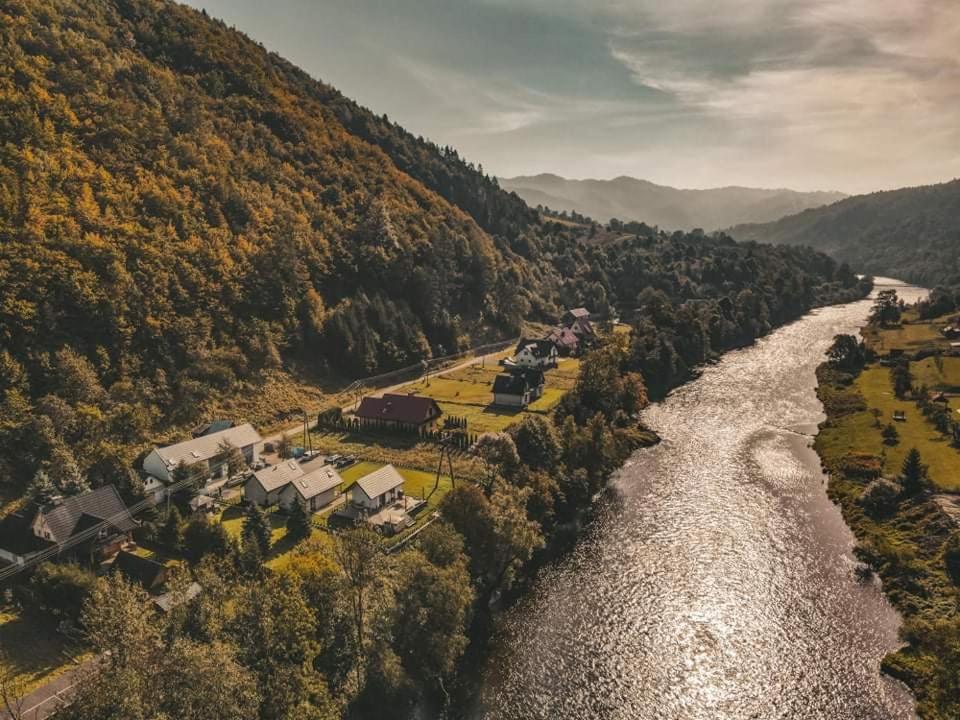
pixel 880 497
pixel 61 590
pixel 202 537
pixel 951 557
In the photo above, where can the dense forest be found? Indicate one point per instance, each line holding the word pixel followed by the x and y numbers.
pixel 912 234
pixel 181 210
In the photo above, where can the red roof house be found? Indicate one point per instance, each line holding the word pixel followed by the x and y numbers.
pixel 407 411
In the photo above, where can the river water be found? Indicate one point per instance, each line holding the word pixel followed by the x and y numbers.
pixel 717 580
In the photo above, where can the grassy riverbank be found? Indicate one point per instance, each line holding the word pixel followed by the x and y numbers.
pixel 903 531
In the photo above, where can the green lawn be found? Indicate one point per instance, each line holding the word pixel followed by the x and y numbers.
pixel 926 372
pixel 33 649
pixel 858 432
pixel 232 520
pixel 912 335
pixel 417 483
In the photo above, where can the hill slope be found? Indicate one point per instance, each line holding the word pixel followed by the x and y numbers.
pixel 183 215
pixel 628 198
pixel 912 234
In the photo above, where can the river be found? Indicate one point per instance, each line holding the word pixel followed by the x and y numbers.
pixel 717 579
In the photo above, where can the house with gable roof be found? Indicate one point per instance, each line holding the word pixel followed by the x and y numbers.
pixel 204 451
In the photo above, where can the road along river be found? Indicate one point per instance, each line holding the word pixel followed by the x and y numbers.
pixel 717 579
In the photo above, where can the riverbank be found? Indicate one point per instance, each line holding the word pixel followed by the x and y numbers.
pixel 682 595
pixel 902 531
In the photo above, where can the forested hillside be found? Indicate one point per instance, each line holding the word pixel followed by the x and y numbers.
pixel 181 210
pixel 912 234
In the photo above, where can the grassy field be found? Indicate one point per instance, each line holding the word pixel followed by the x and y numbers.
pixel 32 649
pixel 417 483
pixel 911 336
pixel 926 372
pixel 232 520
pixel 465 392
pixel 858 432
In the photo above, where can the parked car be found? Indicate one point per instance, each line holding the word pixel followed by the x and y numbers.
pixel 298 452
pixel 238 479
pixel 334 459
pixel 345 461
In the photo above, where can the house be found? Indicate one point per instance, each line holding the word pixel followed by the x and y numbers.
pixel 408 412
pixel 900 415
pixel 535 353
pixel 566 340
pixel 314 490
pixel 578 321
pixel 264 486
pixel 149 574
pixel 205 451
pixel 511 390
pixel 100 517
pixel 535 381
pixel 378 489
pixel 518 388
pixel 212 427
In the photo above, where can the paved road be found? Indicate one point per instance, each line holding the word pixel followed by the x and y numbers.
pixel 44 701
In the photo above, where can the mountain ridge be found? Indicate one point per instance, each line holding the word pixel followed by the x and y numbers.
pixel 630 198
pixel 910 233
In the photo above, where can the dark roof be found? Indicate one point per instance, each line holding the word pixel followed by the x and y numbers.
pixel 510 384
pixel 149 573
pixel 413 409
pixel 564 336
pixel 540 348
pixel 533 376
pixel 75 513
pixel 212 427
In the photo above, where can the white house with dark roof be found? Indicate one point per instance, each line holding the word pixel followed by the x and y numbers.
pixel 378 489
pixel 161 462
pixel 313 490
pixel 264 486
pixel 535 354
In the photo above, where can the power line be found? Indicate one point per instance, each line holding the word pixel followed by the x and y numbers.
pixel 88 533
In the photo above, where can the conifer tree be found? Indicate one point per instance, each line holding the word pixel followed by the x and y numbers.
pixel 256 526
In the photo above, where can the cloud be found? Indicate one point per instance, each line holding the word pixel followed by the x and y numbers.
pixel 847 94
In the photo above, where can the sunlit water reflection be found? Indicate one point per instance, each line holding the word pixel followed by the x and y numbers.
pixel 717 581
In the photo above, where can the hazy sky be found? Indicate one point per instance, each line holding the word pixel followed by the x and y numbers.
pixel 853 95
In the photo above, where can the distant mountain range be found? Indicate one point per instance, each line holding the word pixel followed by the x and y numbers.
pixel 627 198
pixel 912 234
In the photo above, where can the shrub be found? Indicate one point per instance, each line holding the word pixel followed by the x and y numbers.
pixel 61 590
pixel 951 557
pixel 880 497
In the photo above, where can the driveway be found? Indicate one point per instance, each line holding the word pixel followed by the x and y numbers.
pixel 44 701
